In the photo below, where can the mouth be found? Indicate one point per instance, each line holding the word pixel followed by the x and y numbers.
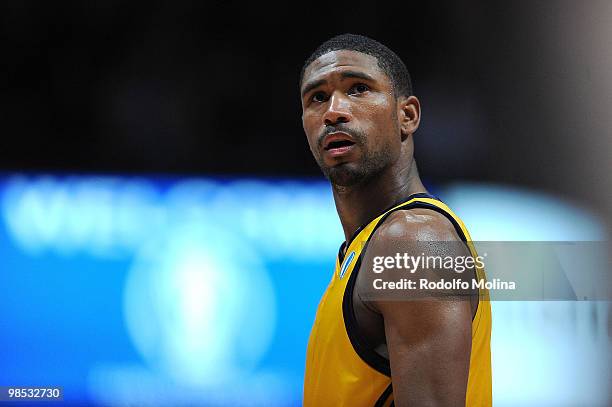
pixel 332 145
pixel 338 143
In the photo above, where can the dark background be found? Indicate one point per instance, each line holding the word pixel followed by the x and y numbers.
pixel 515 93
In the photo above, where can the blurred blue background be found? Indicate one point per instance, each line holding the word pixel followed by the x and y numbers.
pixel 200 291
pixel 162 288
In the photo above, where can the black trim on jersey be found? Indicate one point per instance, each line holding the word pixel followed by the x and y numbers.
pixel 341 252
pixel 360 344
pixel 345 245
pixel 384 396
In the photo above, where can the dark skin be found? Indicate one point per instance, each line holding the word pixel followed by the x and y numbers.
pixel 346 97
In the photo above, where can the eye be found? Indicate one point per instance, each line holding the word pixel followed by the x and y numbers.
pixel 319 97
pixel 359 88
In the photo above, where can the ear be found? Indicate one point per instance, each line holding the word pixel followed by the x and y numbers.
pixel 409 115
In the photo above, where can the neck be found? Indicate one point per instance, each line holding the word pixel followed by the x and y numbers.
pixel 359 204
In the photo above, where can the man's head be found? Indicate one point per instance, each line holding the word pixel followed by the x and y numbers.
pixel 358 111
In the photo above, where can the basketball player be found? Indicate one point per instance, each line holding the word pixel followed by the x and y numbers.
pixel 359 116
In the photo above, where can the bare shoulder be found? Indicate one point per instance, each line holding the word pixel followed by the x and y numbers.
pixel 416 225
pixel 398 251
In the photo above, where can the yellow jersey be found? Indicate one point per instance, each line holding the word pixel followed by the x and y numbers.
pixel 341 370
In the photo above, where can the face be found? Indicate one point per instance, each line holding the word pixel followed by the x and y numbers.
pixel 350 116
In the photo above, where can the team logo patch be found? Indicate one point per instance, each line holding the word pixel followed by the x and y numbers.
pixel 346 264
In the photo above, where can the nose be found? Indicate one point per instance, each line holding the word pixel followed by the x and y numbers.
pixel 338 110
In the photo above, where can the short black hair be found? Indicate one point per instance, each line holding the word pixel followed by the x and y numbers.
pixel 388 61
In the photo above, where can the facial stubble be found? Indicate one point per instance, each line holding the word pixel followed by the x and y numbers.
pixel 370 164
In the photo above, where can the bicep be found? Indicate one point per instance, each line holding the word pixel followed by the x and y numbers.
pixel 429 343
